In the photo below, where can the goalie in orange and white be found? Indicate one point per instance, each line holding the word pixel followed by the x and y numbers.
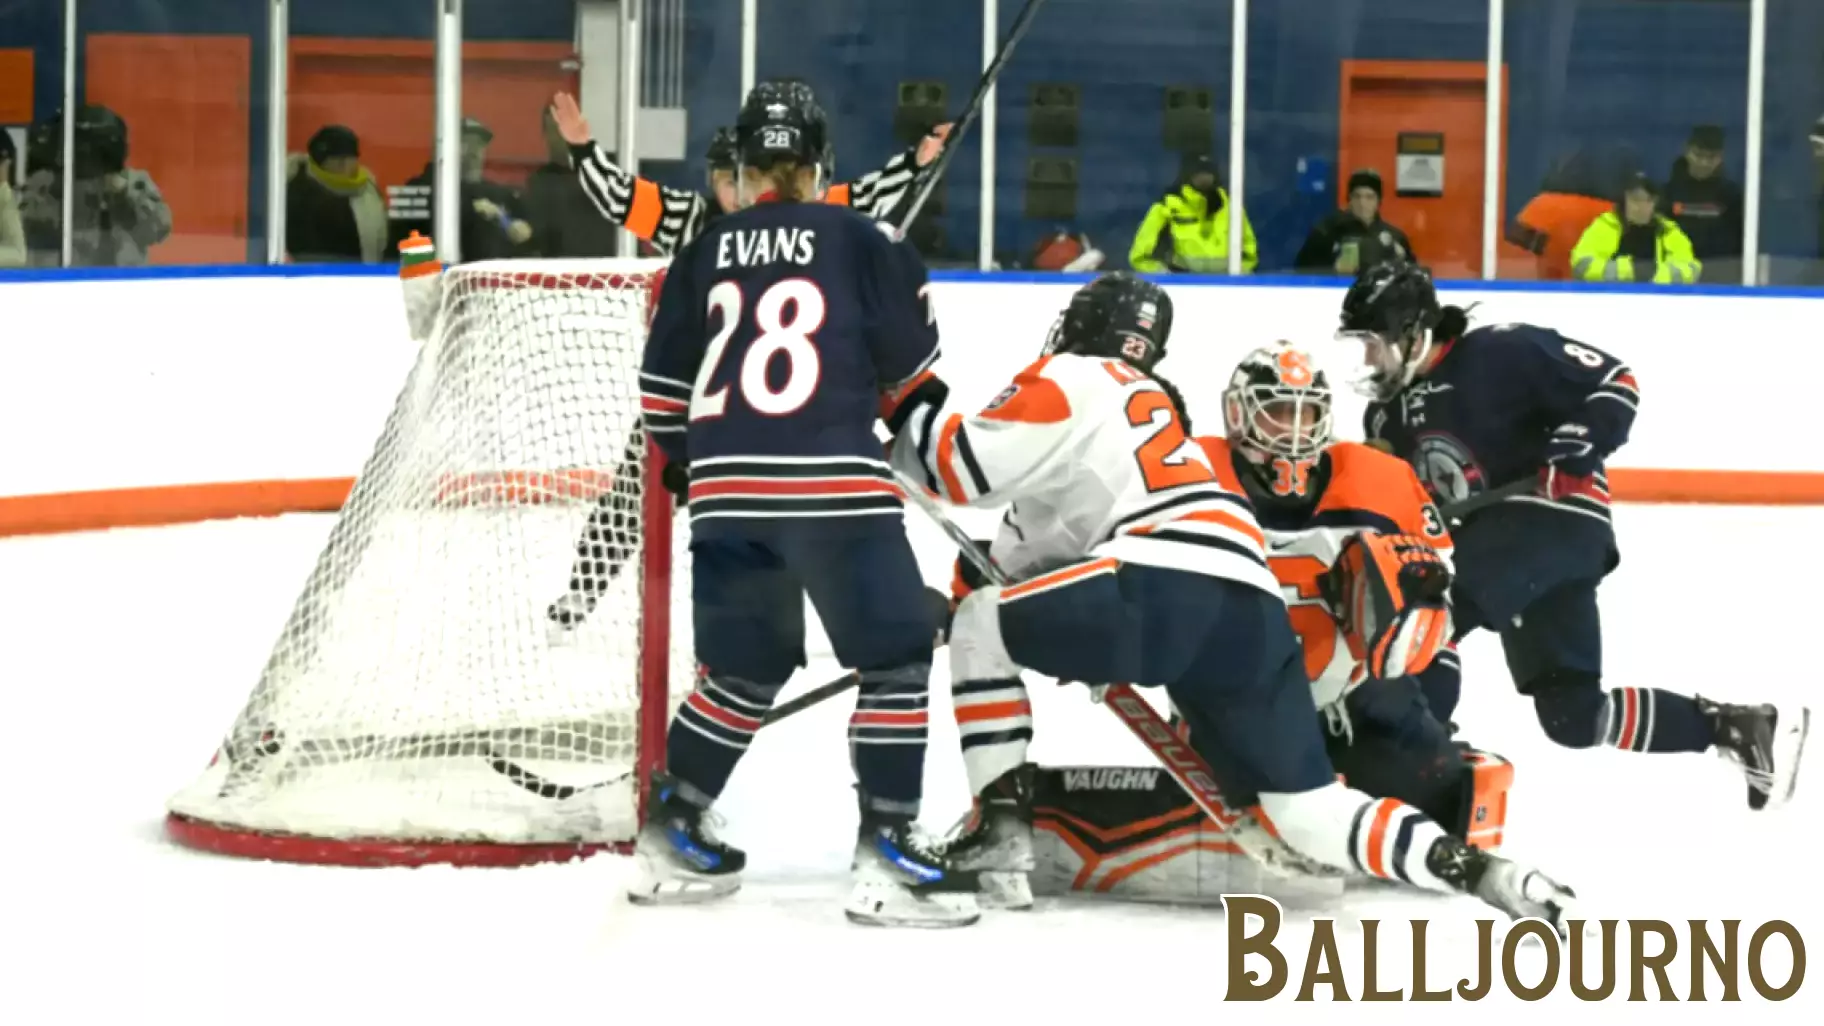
pixel 1357 549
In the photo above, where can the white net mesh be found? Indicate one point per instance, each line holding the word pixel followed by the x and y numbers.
pixel 419 692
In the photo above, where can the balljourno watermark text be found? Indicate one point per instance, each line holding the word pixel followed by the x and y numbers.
pixel 1723 959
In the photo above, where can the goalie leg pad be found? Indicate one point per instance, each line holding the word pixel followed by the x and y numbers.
pixel 1131 834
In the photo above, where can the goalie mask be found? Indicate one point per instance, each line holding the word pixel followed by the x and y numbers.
pixel 1119 316
pixel 1276 412
pixel 1391 309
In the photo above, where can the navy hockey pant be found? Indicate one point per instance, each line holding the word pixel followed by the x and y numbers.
pixel 1530 574
pixel 1223 650
pixel 748 592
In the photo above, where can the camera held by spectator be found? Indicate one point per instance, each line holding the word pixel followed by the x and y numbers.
pixel 1634 242
pixel 333 209
pixel 1188 229
pixel 1355 237
pixel 119 214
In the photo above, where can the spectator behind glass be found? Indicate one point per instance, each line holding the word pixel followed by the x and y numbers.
pixel 1635 242
pixel 564 220
pixel 493 219
pixel 119 212
pixel 1355 236
pixel 1188 229
pixel 1704 202
pixel 12 232
pixel 333 209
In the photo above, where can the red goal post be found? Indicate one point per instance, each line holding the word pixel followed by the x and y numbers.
pixel 418 707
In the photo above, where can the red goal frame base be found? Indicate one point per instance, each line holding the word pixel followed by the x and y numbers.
pixel 372 852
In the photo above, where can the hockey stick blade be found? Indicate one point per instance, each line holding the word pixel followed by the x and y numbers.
pixel 1179 759
pixel 926 179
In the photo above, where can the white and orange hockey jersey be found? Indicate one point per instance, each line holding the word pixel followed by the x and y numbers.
pixel 1092 459
pixel 1367 491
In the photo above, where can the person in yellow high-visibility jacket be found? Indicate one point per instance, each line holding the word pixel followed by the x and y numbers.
pixel 1635 243
pixel 1188 229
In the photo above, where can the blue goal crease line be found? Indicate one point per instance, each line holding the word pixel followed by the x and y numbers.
pixel 1283 281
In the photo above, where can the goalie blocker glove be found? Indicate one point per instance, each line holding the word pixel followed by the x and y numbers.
pixel 1388 591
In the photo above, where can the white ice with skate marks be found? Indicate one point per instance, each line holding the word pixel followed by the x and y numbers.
pixel 128 654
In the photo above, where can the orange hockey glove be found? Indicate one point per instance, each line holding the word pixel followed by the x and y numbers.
pixel 1388 592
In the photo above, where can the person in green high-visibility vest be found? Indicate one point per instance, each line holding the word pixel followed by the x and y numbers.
pixel 1634 242
pixel 1187 230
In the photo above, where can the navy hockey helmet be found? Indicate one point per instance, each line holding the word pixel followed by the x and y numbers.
pixel 1391 309
pixel 1119 315
pixel 721 153
pixel 780 122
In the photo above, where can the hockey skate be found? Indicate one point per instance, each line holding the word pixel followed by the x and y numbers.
pixel 995 842
pixel 677 858
pixel 1520 891
pixel 567 613
pixel 1765 742
pixel 901 881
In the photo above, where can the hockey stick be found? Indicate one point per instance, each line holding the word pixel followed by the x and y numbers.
pixel 1455 512
pixel 546 788
pixel 1179 759
pixel 925 181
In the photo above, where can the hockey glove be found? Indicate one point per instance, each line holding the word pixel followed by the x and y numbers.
pixel 1570 463
pixel 897 406
pixel 1388 592
pixel 676 479
pixel 966 577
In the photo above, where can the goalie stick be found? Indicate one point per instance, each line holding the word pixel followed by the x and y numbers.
pixel 1176 755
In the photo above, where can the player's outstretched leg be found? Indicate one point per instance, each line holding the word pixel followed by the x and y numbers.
pixel 994 718
pixel 1554 652
pixel 1246 699
pixel 748 616
pixel 864 582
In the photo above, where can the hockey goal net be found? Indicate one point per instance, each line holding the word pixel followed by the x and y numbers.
pixel 419 706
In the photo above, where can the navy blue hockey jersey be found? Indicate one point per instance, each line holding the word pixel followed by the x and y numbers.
pixel 1483 415
pixel 776 334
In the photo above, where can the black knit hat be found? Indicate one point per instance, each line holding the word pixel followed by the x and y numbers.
pixel 1366 178
pixel 1706 137
pixel 332 141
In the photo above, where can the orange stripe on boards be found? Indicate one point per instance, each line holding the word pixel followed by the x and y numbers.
pixel 167 505
pixel 68 512
pixel 1718 487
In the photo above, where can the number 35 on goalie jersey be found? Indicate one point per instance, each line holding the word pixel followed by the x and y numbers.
pixel 1093 460
pixel 776 331
pixel 1363 490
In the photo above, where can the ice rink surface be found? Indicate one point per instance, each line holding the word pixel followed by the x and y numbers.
pixel 129 653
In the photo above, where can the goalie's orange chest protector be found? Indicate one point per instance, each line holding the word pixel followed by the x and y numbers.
pixel 1366 490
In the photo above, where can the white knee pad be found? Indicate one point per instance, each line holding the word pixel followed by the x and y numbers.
pixel 977 651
